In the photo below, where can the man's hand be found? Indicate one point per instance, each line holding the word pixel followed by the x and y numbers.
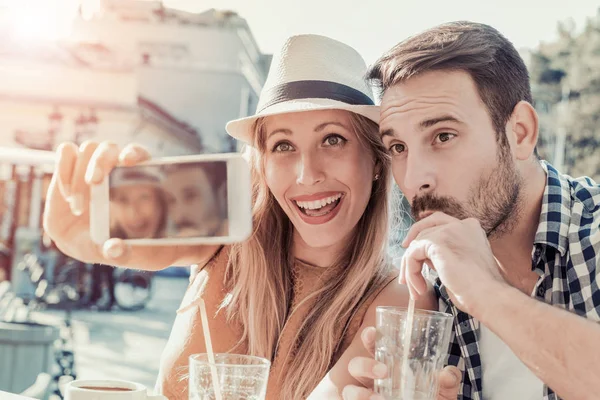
pixel 365 370
pixel 461 254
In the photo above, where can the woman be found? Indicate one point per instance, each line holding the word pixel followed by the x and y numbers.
pixel 138 205
pixel 314 269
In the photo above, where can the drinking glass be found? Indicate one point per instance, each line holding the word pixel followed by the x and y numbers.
pixel 426 350
pixel 239 377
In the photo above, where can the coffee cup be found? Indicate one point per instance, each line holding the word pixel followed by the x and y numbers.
pixel 107 389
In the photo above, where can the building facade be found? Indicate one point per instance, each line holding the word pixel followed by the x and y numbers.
pixel 204 69
pixel 133 71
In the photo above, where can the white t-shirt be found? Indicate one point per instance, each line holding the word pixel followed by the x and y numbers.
pixel 504 375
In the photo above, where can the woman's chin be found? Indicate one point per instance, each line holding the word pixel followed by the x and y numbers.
pixel 139 235
pixel 320 240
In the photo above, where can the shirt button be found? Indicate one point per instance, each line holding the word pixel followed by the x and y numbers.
pixel 541 291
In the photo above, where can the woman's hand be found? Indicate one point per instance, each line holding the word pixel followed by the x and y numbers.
pixel 67 213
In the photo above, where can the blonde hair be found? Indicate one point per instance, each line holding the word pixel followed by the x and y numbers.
pixel 259 271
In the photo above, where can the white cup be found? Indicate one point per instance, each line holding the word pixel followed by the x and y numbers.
pixel 107 389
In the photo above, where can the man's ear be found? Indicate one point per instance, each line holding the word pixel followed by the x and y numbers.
pixel 522 129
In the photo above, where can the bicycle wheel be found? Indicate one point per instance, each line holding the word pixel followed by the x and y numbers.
pixel 133 290
pixel 68 286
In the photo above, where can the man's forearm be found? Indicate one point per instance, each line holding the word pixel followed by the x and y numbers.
pixel 561 348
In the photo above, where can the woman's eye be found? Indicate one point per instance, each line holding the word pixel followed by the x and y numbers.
pixel 397 148
pixel 282 147
pixel 334 140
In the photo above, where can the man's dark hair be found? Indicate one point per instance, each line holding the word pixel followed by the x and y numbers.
pixel 216 171
pixel 491 60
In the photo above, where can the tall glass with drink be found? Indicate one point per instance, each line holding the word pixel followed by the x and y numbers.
pixel 230 377
pixel 413 351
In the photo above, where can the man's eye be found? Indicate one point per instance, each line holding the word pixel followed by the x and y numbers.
pixel 191 196
pixel 397 148
pixel 445 136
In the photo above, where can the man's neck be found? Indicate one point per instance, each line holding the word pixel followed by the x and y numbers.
pixel 513 250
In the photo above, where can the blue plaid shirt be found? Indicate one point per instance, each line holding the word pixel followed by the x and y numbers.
pixel 564 255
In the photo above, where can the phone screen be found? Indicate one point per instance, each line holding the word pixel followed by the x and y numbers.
pixel 179 200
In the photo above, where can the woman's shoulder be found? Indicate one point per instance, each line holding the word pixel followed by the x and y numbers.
pixel 208 280
pixel 216 262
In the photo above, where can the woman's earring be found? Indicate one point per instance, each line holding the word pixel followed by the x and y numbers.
pixel 376 177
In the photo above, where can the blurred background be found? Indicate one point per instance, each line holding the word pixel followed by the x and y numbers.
pixel 169 75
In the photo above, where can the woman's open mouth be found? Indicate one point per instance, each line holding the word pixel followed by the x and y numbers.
pixel 319 211
pixel 138 230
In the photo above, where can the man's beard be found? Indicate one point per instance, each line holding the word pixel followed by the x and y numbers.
pixel 494 199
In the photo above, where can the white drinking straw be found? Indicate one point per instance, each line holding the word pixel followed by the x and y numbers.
pixel 209 350
pixel 202 279
pixel 408 328
pixel 406 345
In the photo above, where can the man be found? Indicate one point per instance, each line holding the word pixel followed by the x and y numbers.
pixel 513 244
pixel 196 204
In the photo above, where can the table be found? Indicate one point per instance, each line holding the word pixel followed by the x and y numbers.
pixel 12 396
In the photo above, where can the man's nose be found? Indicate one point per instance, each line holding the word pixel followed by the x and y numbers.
pixel 174 212
pixel 419 176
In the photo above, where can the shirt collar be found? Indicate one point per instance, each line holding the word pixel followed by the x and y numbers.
pixel 555 216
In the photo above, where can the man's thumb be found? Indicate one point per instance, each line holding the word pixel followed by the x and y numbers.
pixel 449 383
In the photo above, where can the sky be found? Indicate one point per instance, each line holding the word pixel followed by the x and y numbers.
pixel 374 26
pixel 370 26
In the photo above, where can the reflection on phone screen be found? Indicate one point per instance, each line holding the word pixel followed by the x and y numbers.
pixel 169 201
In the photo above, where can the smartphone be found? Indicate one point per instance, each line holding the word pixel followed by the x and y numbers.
pixel 200 199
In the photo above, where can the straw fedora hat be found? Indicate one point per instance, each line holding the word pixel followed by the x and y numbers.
pixel 136 175
pixel 311 72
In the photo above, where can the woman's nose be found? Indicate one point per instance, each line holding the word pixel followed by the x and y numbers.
pixel 309 171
